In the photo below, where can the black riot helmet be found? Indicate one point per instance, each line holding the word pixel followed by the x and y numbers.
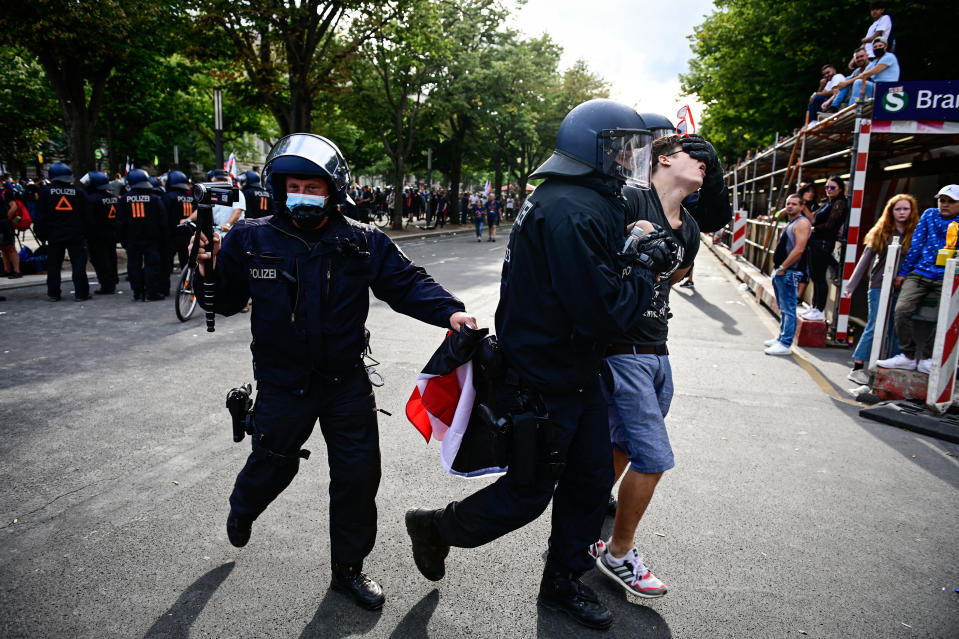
pixel 138 179
pixel 252 179
pixel 61 172
pixel 177 180
pixel 304 156
pixel 605 137
pixel 659 125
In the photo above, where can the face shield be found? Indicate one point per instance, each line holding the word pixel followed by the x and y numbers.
pixel 625 154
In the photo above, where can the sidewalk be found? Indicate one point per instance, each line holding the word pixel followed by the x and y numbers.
pixel 413 233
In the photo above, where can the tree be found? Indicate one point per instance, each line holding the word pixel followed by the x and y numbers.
pixel 28 108
pixel 755 62
pixel 78 58
pixel 292 51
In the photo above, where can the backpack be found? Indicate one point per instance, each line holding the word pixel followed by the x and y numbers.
pixel 21 219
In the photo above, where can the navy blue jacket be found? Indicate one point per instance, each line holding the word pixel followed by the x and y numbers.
pixel 311 293
pixel 104 212
pixel 566 292
pixel 259 202
pixel 62 213
pixel 143 218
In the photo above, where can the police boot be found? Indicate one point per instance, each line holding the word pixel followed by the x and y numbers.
pixel 563 591
pixel 429 549
pixel 238 529
pixel 351 580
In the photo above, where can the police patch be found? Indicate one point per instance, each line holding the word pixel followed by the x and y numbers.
pixel 523 212
pixel 263 273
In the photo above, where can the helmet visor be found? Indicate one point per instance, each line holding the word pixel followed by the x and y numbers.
pixel 625 154
pixel 315 149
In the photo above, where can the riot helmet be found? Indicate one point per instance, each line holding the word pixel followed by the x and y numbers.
pixel 154 183
pixel 304 156
pixel 605 137
pixel 61 172
pixel 138 179
pixel 95 181
pixel 658 125
pixel 252 179
pixel 177 180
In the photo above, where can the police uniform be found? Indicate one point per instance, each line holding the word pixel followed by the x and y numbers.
pixel 310 303
pixel 144 230
pixel 63 221
pixel 104 209
pixel 563 297
pixel 259 202
pixel 180 207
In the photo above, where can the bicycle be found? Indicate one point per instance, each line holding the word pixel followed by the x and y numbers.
pixel 184 301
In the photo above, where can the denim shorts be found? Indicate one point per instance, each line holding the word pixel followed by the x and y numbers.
pixel 639 390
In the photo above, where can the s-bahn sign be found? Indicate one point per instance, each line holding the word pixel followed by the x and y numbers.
pixel 917 101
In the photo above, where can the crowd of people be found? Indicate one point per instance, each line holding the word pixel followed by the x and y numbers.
pixel 872 61
pixel 803 256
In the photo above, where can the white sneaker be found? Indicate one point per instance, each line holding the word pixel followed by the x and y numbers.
pixel 779 349
pixel 814 315
pixel 633 575
pixel 899 361
pixel 770 342
pixel 860 376
pixel 924 366
pixel 807 312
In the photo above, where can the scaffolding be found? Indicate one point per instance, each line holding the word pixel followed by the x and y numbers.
pixel 847 144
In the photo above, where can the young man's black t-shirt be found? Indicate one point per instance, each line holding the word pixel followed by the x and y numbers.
pixel 653 327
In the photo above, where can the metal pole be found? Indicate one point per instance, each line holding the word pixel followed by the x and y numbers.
pixel 176 155
pixel 429 167
pixel 218 126
pixel 752 199
pixel 772 172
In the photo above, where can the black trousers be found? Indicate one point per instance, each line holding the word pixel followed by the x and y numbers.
pixel 144 265
pixel 283 421
pixel 579 496
pixel 78 261
pixel 103 256
pixel 820 257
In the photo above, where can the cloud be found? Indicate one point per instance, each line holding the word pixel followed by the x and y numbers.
pixel 640 47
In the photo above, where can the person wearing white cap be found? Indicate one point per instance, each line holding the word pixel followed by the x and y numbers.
pixel 918 277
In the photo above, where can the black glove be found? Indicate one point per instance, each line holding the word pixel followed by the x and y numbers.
pixel 657 251
pixel 713 210
pixel 700 149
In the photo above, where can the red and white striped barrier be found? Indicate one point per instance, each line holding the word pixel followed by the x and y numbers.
pixel 945 353
pixel 863 128
pixel 884 317
pixel 738 246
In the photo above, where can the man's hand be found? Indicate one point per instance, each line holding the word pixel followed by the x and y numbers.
pixel 202 255
pixel 897 283
pixel 645 225
pixel 459 318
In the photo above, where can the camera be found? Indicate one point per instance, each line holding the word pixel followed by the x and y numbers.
pixel 212 193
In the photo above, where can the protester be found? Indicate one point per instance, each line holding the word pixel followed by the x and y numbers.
pixel 8 248
pixel 827 221
pixel 479 217
pixel 491 210
pixel 789 260
pixel 920 276
pixel 898 220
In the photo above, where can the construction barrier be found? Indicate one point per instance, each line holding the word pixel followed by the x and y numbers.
pixel 885 295
pixel 942 377
pixel 738 246
pixel 863 129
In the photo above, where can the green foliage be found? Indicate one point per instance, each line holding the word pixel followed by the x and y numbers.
pixel 755 62
pixel 28 108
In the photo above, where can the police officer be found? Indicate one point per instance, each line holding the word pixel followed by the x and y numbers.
pixel 102 239
pixel 180 209
pixel 259 202
pixel 309 270
pixel 63 221
pixel 566 292
pixel 709 206
pixel 144 229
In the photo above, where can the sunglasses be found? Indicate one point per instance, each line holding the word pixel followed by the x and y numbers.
pixel 830 187
pixel 684 127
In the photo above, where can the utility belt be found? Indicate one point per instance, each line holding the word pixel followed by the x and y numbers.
pixel 515 416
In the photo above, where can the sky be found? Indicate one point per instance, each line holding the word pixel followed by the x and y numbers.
pixel 638 46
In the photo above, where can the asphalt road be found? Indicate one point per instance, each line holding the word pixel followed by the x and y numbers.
pixel 786 516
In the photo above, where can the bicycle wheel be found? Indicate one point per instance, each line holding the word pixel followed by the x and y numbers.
pixel 185 299
pixel 381 219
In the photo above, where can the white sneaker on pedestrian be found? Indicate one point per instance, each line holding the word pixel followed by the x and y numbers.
pixel 806 312
pixel 814 315
pixel 859 375
pixel 899 361
pixel 632 575
pixel 779 349
pixel 924 366
pixel 770 342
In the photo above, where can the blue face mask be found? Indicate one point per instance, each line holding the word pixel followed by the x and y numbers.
pixel 308 211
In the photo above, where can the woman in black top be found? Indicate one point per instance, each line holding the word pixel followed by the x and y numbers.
pixel 827 220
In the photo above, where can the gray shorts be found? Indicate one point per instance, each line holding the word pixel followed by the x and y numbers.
pixel 639 390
